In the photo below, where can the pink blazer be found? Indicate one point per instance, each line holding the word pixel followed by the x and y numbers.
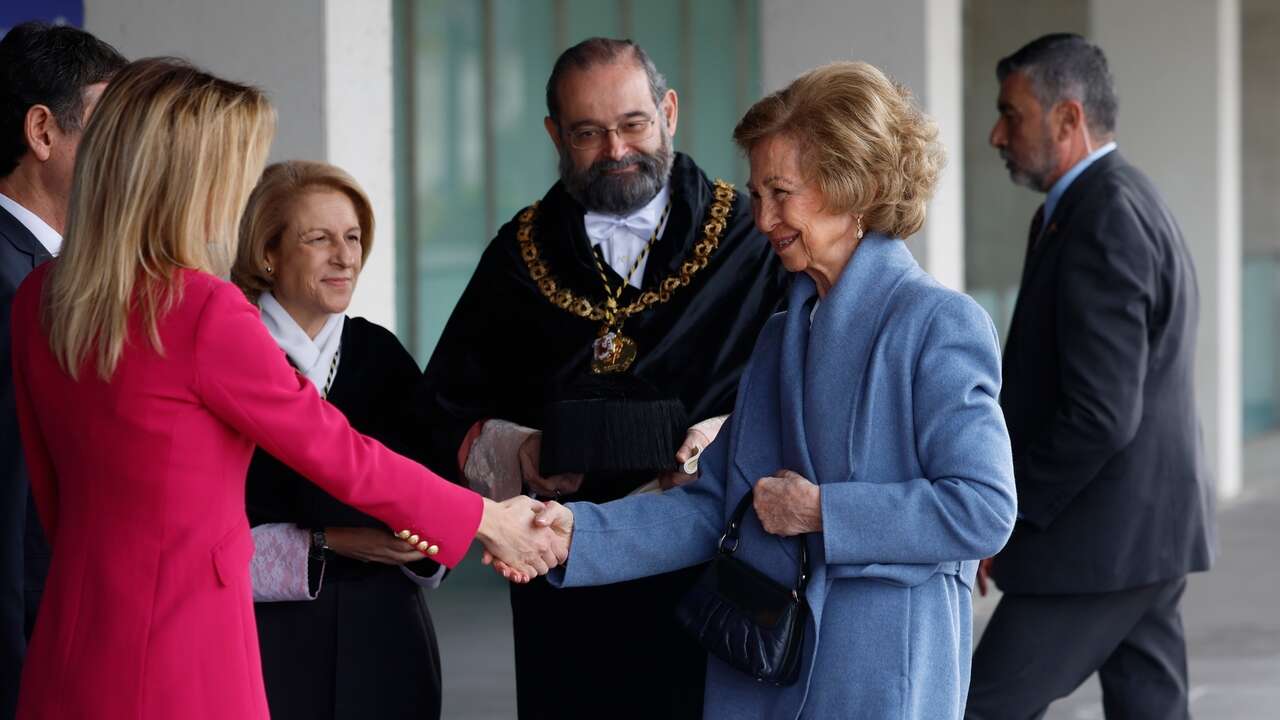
pixel 148 609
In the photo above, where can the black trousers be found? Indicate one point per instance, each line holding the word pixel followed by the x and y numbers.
pixel 613 651
pixel 1039 648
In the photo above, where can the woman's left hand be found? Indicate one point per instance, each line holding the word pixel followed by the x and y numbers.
pixel 371 545
pixel 788 504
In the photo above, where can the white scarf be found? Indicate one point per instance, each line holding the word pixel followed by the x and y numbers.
pixel 311 357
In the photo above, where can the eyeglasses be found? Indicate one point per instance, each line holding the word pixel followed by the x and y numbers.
pixel 591 137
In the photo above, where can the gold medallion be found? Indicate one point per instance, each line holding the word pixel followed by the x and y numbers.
pixel 612 352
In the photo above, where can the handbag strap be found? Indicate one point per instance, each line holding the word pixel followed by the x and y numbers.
pixel 730 539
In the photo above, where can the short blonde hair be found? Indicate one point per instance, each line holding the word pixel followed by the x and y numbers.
pixel 862 140
pixel 270 206
pixel 162 175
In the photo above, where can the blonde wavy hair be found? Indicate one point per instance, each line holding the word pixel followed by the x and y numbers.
pixel 862 141
pixel 162 175
pixel 270 207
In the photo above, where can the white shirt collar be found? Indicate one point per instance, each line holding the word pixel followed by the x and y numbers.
pixel 1060 187
pixel 622 238
pixel 47 236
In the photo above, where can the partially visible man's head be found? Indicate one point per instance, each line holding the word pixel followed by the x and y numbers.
pixel 50 79
pixel 165 171
pixel 612 119
pixel 1051 87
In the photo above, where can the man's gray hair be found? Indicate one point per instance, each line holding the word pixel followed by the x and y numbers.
pixel 600 51
pixel 1065 66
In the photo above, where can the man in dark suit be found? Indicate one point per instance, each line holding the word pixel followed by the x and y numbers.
pixel 50 79
pixel 1114 508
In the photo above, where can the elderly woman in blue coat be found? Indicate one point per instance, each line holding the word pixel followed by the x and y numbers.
pixel 867 424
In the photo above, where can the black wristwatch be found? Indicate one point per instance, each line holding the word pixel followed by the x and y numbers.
pixel 318 542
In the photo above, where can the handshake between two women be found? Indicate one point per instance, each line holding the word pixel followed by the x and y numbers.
pixel 524 538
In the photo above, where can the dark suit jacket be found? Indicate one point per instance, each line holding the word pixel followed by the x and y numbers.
pixel 1099 396
pixel 24 555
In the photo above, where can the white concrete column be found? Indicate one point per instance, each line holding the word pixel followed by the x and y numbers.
pixel 358 109
pixel 918 43
pixel 1177 70
pixel 326 65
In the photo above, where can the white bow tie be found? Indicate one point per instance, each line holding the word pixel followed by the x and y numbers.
pixel 603 227
pixel 622 239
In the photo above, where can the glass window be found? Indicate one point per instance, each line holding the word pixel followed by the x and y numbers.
pixel 1260 167
pixel 471 82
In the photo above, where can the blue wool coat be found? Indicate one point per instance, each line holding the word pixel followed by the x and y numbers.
pixel 888 401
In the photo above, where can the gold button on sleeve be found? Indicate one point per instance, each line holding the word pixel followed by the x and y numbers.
pixel 413 539
pixel 403 534
pixel 433 549
pixel 423 546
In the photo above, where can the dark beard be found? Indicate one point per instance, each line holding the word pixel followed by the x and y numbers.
pixel 1031 178
pixel 1034 177
pixel 599 191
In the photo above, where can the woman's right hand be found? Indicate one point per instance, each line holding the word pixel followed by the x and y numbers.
pixel 370 545
pixel 509 533
pixel 559 519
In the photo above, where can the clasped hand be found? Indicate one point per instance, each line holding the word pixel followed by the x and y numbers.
pixel 524 538
pixel 787 504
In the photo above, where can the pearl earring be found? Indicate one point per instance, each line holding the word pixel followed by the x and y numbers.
pixel 269 267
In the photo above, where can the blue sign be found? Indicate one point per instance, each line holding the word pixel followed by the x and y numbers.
pixel 58 12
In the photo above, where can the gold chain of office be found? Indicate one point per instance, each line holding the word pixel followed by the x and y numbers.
pixel 608 311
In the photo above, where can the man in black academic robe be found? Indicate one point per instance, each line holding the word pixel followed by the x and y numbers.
pixel 508 350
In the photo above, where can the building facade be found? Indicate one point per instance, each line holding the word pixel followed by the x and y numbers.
pixel 436 107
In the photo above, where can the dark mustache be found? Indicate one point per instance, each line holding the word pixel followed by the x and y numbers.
pixel 600 167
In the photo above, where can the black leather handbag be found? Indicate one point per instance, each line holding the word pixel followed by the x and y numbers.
pixel 743 616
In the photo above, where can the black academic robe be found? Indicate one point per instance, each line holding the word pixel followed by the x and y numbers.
pixel 365 647
pixel 612 651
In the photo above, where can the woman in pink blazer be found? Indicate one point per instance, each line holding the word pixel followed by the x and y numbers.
pixel 144 382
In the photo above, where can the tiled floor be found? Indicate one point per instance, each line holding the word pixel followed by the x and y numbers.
pixel 1232 614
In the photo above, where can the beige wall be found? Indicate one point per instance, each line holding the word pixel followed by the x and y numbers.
pixel 326 65
pixel 1176 64
pixel 997 212
pixel 917 42
pixel 276 46
pixel 1177 70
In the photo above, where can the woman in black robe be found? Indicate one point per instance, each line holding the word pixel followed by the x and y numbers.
pixel 342 620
